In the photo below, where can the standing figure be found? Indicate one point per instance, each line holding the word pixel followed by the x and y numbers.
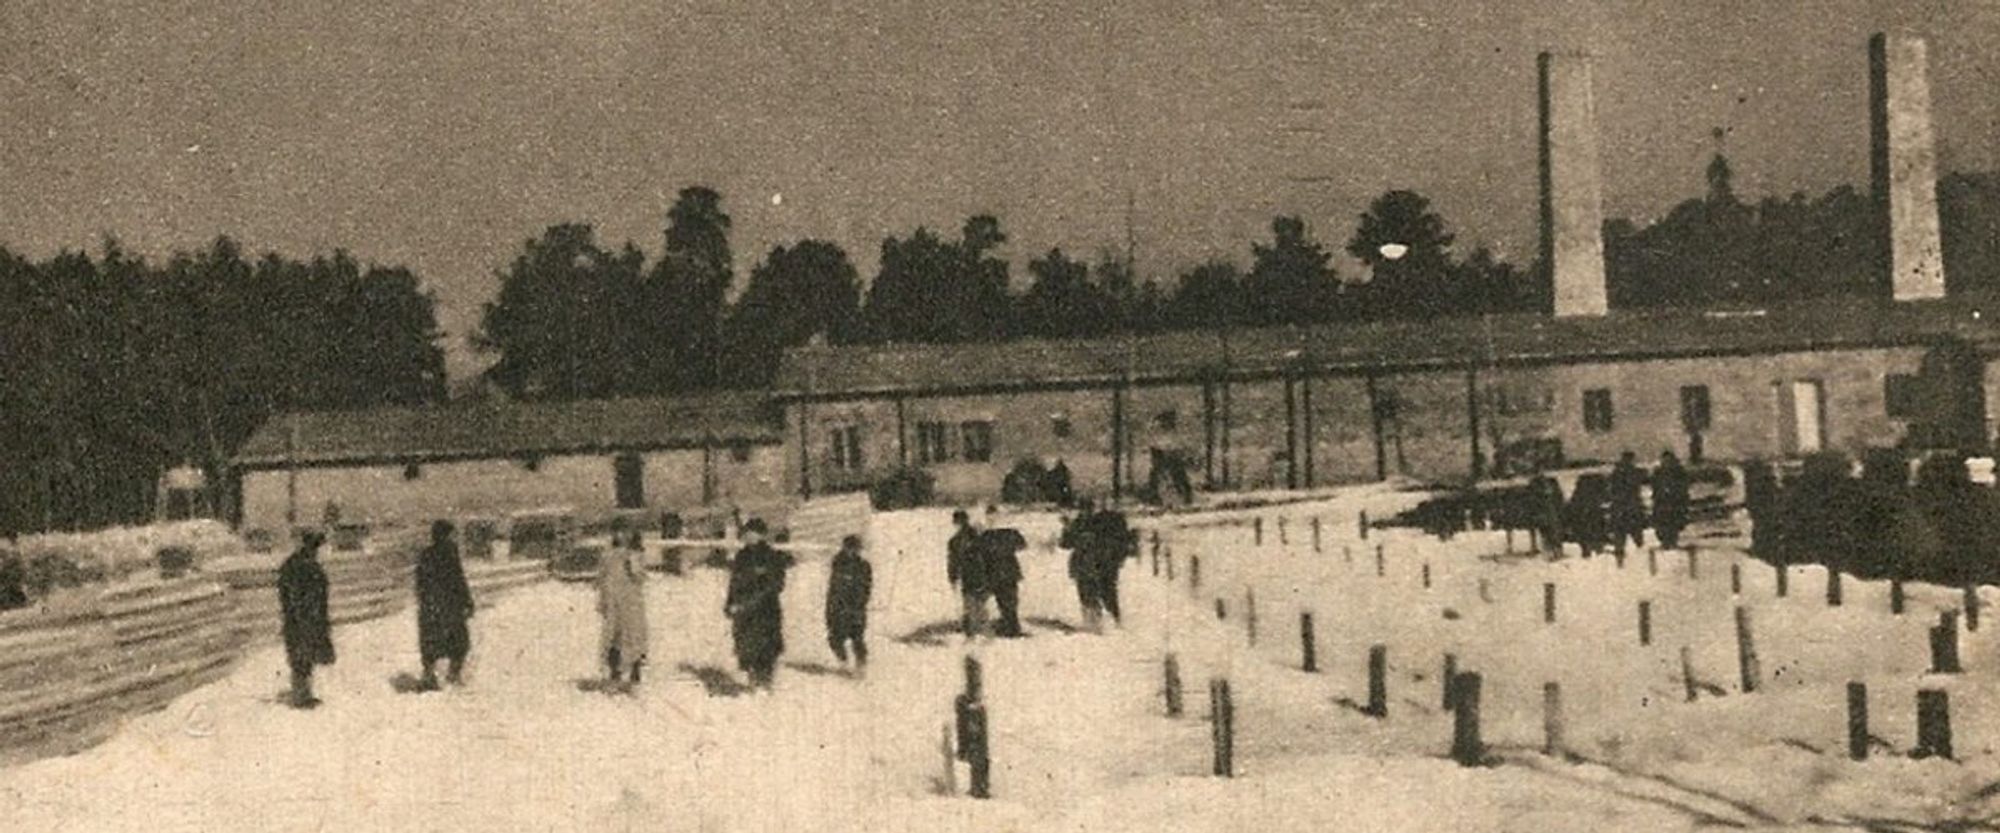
pixel 966 570
pixel 1055 484
pixel 849 583
pixel 1584 517
pixel 1545 501
pixel 624 636
pixel 756 615
pixel 1670 500
pixel 1628 509
pixel 1079 537
pixel 1114 541
pixel 999 549
pixel 444 603
pixel 308 628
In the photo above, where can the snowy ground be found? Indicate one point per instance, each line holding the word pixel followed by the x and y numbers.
pixel 1080 739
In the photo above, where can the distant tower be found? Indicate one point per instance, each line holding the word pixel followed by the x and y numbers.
pixel 1571 185
pixel 1720 188
pixel 1903 166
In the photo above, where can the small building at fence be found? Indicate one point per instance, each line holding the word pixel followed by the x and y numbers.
pixel 491 458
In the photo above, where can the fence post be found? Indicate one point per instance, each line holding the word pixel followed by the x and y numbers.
pixel 1972 607
pixel 1222 727
pixel 1896 596
pixel 1687 673
pixel 1784 572
pixel 1645 623
pixel 979 758
pixel 1548 602
pixel 1221 609
pixel 1378 681
pixel 1694 564
pixel 1552 719
pixel 1833 593
pixel 1652 561
pixel 1510 539
pixel 1257 530
pixel 1746 652
pixel 1362 521
pixel 1735 579
pixel 975 678
pixel 1444 689
pixel 1933 724
pixel 1316 525
pixel 1857 721
pixel 1381 566
pixel 1427 575
pixel 950 781
pixel 1284 537
pixel 1486 590
pixel 1308 649
pixel 1173 686
pixel 1250 614
pixel 1170 564
pixel 1156 557
pixel 1194 574
pixel 1944 644
pixel 1466 747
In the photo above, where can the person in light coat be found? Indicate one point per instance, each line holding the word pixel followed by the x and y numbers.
pixel 621 603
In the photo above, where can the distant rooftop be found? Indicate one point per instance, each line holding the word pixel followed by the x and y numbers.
pixel 1509 340
pixel 487 429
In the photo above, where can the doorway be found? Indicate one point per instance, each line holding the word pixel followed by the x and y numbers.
pixel 1801 416
pixel 629 480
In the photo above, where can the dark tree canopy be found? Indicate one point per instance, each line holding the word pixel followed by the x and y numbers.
pixel 808 289
pixel 932 290
pixel 1291 279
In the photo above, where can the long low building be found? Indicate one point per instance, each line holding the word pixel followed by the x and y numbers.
pixel 405 465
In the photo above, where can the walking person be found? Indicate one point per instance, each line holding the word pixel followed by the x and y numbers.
pixel 624 636
pixel 1079 536
pixel 444 603
pixel 849 583
pixel 1114 541
pixel 308 628
pixel 1000 548
pixel 1670 500
pixel 965 567
pixel 754 605
pixel 1628 509
pixel 1584 517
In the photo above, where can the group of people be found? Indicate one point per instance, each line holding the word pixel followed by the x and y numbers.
pixel 1610 510
pixel 753 606
pixel 1940 527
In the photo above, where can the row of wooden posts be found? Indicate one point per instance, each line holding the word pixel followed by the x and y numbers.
pixel 1460 690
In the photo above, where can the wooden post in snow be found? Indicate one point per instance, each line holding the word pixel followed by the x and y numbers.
pixel 1194 574
pixel 1972 607
pixel 1316 525
pixel 1687 673
pixel 1746 652
pixel 1308 648
pixel 1381 564
pixel 1427 575
pixel 1552 719
pixel 1444 680
pixel 950 780
pixel 1548 602
pixel 1222 726
pixel 1933 724
pixel 1284 537
pixel 1944 644
pixel 1652 561
pixel 1857 721
pixel 1834 596
pixel 1896 602
pixel 1784 573
pixel 1257 530
pixel 1362 522
pixel 1645 623
pixel 1735 579
pixel 1466 747
pixel 1172 687
pixel 1378 681
pixel 1221 609
pixel 1170 565
pixel 1250 614
pixel 1694 564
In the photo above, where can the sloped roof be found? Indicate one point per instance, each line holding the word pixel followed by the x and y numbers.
pixel 507 429
pixel 1399 345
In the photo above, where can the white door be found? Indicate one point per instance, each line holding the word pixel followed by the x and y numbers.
pixel 1808 422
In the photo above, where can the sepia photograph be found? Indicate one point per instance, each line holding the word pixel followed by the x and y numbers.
pixel 1548 416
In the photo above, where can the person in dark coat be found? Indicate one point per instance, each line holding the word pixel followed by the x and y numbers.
pixel 1670 500
pixel 849 583
pixel 307 629
pixel 1584 517
pixel 1000 549
pixel 1113 541
pixel 756 616
pixel 1056 486
pixel 1079 536
pixel 444 603
pixel 966 570
pixel 1627 509
pixel 1545 502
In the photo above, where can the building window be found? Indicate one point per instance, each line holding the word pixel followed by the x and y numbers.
pixel 1900 396
pixel 1167 420
pixel 412 471
pixel 846 448
pixel 977 440
pixel 1695 414
pixel 1597 410
pixel 629 480
pixel 739 451
pixel 933 442
pixel 1060 427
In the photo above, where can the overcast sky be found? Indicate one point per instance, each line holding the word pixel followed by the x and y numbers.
pixel 441 134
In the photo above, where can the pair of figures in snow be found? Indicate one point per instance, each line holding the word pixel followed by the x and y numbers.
pixel 985 565
pixel 1099 541
pixel 444 606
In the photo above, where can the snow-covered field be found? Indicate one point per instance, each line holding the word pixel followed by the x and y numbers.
pixel 1080 740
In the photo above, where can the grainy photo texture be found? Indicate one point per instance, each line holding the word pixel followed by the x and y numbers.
pixel 1185 415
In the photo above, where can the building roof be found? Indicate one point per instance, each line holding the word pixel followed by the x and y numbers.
pixel 491 429
pixel 1506 340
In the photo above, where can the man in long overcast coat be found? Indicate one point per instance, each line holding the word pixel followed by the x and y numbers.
pixel 308 628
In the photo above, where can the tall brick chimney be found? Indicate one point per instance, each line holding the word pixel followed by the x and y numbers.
pixel 1902 163
pixel 1572 189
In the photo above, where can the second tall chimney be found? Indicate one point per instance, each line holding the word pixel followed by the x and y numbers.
pixel 1902 163
pixel 1572 191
